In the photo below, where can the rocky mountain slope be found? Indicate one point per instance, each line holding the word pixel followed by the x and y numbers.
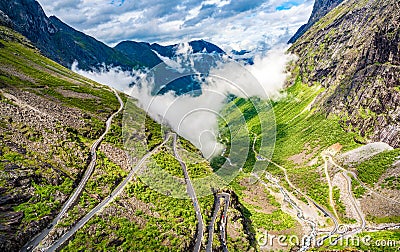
pixel 59 41
pixel 320 9
pixel 5 20
pixel 64 44
pixel 354 54
pixel 50 117
pixel 139 50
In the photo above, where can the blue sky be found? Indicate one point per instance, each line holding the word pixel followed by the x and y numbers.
pixel 287 5
pixel 231 24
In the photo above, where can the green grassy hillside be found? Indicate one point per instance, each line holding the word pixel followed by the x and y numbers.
pixel 50 116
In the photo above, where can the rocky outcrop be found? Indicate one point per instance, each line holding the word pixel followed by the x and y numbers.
pixel 5 20
pixel 354 53
pixel 30 20
pixel 42 156
pixel 320 9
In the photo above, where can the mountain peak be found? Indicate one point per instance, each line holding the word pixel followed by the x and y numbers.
pixel 139 51
pixel 29 19
pixel 204 46
pixel 198 46
pixel 320 9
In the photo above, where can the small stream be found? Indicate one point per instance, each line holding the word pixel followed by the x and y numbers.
pixel 307 240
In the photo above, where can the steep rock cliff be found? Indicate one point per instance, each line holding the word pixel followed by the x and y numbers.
pixel 320 9
pixel 59 41
pixel 353 52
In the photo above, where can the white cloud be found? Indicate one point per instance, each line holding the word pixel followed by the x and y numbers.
pixel 239 24
pixel 270 70
pixel 113 77
pixel 195 118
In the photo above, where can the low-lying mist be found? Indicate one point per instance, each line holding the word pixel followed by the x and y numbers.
pixel 195 117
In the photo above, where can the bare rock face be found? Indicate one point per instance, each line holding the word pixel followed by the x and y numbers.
pixel 65 45
pixel 353 52
pixel 5 20
pixel 57 40
pixel 29 18
pixel 320 9
pixel 42 157
pixel 363 153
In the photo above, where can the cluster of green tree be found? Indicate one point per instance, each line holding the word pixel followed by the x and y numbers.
pixel 154 134
pixel 113 233
pixel 114 136
pixel 199 170
pixel 357 188
pixel 187 145
pixel 392 182
pixel 168 163
pixel 372 169
pixel 106 177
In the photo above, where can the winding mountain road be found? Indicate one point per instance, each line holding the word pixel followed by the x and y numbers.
pixel 300 215
pixel 35 242
pixel 211 226
pixel 319 207
pixel 330 158
pixel 192 195
pixel 313 234
pixel 224 221
pixel 328 179
pixel 105 202
pixel 358 210
pixel 226 197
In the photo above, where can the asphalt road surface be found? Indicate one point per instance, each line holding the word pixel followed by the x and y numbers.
pixel 105 202
pixel 35 242
pixel 226 198
pixel 192 195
